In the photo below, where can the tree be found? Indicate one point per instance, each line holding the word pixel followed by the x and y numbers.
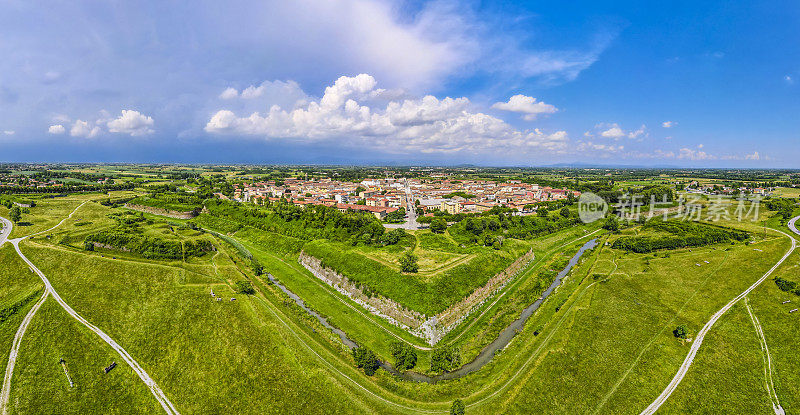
pixel 408 262
pixel 611 224
pixel 445 359
pixel 457 408
pixel 15 214
pixel 366 359
pixel 681 331
pixel 438 226
pixel 405 357
pixel 564 211
pixel 258 269
pixel 245 287
pixel 541 212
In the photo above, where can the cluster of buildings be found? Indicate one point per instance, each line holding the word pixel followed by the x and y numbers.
pixel 20 180
pixel 383 196
pixel 23 181
pixel 712 189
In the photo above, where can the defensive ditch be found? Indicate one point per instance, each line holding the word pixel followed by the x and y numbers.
pixel 485 355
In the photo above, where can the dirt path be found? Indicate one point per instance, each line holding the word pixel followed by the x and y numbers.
pixel 773 395
pixel 698 341
pixel 49 290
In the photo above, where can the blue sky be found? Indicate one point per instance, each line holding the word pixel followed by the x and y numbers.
pixel 385 81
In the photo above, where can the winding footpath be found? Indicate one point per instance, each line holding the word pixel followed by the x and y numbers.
pixel 773 395
pixel 698 341
pixel 168 407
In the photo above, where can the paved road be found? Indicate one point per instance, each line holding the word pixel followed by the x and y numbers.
pixel 411 213
pixel 698 340
pixel 6 230
pixel 49 290
pixel 792 226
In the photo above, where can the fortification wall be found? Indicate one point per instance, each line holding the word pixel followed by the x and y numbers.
pixel 162 212
pixel 432 329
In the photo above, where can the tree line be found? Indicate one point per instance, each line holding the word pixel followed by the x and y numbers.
pixel 683 235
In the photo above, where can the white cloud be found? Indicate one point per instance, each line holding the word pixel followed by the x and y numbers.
pixel 689 154
pixel 590 146
pixel 56 129
pixel 789 80
pixel 416 47
pixel 668 124
pixel 525 105
pixel 427 125
pixel 664 154
pixel 754 156
pixel 84 129
pixel 131 122
pixel 229 93
pixel 9 132
pixel 615 132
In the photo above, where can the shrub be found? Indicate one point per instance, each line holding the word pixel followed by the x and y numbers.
pixel 366 360
pixel 684 235
pixel 405 357
pixel 245 287
pixel 681 331
pixel 458 408
pixel 443 359
pixel 408 262
pixel 785 285
pixel 438 226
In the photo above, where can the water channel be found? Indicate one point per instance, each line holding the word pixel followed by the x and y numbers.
pixel 488 352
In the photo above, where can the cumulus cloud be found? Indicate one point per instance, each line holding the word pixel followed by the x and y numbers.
pixel 754 156
pixel 131 122
pixel 84 129
pixel 229 93
pixel 614 131
pixel 789 80
pixel 56 129
pixel 608 148
pixel 689 154
pixel 525 105
pixel 668 124
pixel 428 124
pixel 9 132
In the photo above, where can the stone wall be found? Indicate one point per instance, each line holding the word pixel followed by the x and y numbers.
pixel 162 212
pixel 378 305
pixel 432 329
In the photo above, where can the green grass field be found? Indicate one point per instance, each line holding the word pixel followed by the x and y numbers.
pixel 608 349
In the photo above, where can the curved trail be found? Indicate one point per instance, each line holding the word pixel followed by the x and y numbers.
pixel 49 290
pixel 773 395
pixel 698 341
pixel 12 356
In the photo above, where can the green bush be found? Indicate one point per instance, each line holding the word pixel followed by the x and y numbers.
pixel 245 287
pixel 445 359
pixel 683 235
pixel 408 263
pixel 681 331
pixel 405 357
pixel 366 360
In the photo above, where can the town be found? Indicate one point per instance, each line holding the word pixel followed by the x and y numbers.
pixel 384 196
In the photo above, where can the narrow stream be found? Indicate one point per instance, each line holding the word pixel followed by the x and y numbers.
pixel 488 352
